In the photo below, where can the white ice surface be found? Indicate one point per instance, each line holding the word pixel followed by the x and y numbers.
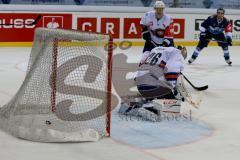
pixel 220 111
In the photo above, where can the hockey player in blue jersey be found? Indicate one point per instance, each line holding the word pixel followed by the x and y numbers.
pixel 215 27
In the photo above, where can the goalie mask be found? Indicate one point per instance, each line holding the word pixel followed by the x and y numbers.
pixel 183 51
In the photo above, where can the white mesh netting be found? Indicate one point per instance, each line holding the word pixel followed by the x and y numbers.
pixel 64 95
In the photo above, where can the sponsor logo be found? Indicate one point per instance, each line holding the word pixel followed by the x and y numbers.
pixel 131 28
pixel 16 23
pixel 87 24
pixel 18 27
pixel 170 102
pixel 198 23
pixel 53 22
pixel 236 25
pixel 179 28
pixel 111 26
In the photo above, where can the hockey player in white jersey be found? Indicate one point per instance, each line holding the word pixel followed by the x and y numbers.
pixel 157 79
pixel 157 28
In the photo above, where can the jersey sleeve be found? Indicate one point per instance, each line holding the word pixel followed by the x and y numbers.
pixel 176 61
pixel 205 25
pixel 143 20
pixel 228 29
pixel 145 55
pixel 174 66
pixel 163 62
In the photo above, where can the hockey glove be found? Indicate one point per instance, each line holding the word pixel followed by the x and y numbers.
pixel 146 34
pixel 229 41
pixel 166 43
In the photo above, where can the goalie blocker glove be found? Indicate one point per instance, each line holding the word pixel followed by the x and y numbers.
pixel 146 34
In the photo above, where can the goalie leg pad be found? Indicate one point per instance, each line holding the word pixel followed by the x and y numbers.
pixel 168 105
pixel 148 115
pixel 151 111
pixel 145 111
pixel 124 108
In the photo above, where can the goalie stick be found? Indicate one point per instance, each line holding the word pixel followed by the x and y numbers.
pixel 195 87
pixel 29 24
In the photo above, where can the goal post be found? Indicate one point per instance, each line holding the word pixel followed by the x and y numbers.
pixel 66 95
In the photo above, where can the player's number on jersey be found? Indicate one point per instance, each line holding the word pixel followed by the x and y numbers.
pixel 153 59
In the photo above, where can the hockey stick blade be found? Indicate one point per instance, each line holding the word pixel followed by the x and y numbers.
pixel 29 24
pixel 201 88
pixel 195 87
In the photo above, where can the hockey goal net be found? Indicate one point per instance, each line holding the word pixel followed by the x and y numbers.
pixel 66 94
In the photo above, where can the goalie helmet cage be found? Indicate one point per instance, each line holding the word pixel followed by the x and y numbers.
pixel 66 94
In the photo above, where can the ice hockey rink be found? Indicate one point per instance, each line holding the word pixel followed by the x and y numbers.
pixel 214 132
